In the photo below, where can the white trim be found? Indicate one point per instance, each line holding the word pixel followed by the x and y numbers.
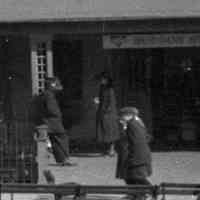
pixel 49 58
pixel 35 40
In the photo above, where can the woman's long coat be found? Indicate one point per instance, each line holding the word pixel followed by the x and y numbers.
pixel 134 155
pixel 107 129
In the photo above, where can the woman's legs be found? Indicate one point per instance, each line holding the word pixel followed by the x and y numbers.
pixel 109 149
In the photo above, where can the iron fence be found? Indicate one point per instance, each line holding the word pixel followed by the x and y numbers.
pixel 17 153
pixel 81 191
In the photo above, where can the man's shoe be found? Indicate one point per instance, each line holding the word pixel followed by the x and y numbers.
pixel 67 162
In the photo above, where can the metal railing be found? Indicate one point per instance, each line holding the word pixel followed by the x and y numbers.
pixel 17 153
pixel 80 191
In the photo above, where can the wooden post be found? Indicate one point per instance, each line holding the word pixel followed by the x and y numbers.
pixel 44 175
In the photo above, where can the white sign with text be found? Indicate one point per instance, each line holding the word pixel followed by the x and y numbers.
pixel 151 41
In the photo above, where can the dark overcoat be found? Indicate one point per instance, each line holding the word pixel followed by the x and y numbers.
pixel 53 116
pixel 107 129
pixel 134 155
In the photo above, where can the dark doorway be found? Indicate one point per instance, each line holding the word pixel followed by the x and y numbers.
pixel 68 67
pixel 131 71
pixel 175 97
pixel 165 85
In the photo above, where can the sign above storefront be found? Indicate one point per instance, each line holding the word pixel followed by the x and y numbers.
pixel 151 41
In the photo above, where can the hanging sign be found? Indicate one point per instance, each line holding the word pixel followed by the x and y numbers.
pixel 151 41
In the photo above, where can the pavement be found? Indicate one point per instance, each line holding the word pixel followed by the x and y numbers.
pixel 94 169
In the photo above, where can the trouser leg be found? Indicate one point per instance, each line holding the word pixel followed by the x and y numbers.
pixel 60 146
pixel 64 143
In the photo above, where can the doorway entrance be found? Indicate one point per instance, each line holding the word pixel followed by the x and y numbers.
pixel 68 67
pixel 165 85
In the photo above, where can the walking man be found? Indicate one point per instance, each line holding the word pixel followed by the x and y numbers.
pixel 134 156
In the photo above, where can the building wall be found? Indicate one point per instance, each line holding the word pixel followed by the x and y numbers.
pixel 16 90
pixel 21 84
pixel 94 61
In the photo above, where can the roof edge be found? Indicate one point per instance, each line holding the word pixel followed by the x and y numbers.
pixel 98 19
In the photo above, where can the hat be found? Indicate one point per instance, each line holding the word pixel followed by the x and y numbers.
pixel 50 79
pixel 128 110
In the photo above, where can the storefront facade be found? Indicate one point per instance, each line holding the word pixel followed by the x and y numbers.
pixel 153 58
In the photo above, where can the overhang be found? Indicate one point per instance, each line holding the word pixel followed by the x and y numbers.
pixel 95 10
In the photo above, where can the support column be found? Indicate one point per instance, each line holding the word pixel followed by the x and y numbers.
pixel 42 154
pixel 41 66
pixel 49 58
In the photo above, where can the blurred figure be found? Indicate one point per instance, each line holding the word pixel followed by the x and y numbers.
pixel 134 163
pixel 53 119
pixel 107 129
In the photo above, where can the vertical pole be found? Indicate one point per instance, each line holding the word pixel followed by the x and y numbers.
pixel 34 77
pixel 49 58
pixel 35 42
pixel 42 154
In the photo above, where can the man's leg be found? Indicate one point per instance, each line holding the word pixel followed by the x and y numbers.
pixel 62 149
pixel 57 150
pixel 142 182
pixel 63 141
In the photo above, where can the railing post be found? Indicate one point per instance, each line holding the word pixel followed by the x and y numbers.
pixel 42 154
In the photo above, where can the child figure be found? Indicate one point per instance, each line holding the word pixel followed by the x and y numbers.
pixel 134 155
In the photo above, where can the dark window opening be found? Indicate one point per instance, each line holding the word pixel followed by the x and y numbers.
pixel 68 67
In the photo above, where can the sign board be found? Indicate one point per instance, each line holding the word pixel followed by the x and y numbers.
pixel 151 41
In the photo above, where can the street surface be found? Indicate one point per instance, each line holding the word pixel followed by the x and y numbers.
pixel 96 170
pixel 93 169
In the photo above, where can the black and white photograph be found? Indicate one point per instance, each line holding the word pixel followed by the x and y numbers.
pixel 99 100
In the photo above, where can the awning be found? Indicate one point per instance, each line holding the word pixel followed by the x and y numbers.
pixel 90 10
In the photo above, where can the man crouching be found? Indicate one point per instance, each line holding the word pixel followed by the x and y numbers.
pixel 134 156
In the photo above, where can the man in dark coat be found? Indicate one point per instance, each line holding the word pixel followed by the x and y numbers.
pixel 53 119
pixel 107 129
pixel 134 155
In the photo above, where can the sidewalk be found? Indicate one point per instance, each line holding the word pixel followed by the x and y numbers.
pixel 96 170
pixel 180 167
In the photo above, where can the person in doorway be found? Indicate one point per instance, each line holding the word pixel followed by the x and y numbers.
pixel 107 129
pixel 53 119
pixel 134 162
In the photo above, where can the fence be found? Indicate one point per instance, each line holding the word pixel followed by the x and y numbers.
pixel 80 191
pixel 17 153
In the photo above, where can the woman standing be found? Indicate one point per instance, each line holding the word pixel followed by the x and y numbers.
pixel 107 130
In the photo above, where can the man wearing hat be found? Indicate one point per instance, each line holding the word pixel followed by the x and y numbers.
pixel 134 155
pixel 53 119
